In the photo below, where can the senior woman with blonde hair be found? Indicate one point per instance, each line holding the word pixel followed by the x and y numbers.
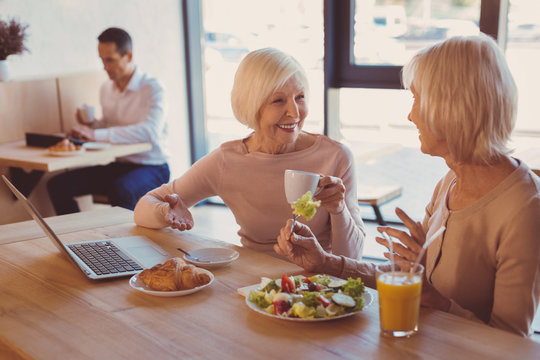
pixel 486 264
pixel 269 95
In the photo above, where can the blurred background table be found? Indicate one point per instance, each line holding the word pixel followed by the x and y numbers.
pixel 17 154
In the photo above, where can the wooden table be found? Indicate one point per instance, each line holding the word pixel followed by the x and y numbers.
pixel 49 310
pixel 17 154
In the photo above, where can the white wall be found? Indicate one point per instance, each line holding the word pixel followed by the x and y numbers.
pixel 63 40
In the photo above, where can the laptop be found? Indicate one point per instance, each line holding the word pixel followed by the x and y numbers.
pixel 101 259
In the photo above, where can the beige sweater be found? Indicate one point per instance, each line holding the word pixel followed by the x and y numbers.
pixel 488 260
pixel 251 184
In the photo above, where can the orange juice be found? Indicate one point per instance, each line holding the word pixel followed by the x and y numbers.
pixel 399 302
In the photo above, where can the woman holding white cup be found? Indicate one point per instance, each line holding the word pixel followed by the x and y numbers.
pixel 269 95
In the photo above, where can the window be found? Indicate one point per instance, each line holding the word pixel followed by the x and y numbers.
pixel 295 27
pixel 389 34
pixel 369 43
pixel 523 55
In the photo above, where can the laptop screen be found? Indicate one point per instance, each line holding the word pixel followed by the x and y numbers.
pixel 31 209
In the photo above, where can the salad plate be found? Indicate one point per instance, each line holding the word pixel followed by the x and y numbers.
pixel 139 285
pixel 335 286
pixel 368 299
pixel 211 257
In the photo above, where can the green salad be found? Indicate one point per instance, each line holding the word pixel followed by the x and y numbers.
pixel 305 206
pixel 318 296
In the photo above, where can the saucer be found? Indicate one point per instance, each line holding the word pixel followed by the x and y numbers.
pixel 212 257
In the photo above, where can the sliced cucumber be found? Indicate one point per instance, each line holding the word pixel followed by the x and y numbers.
pixel 343 300
pixel 332 309
pixel 336 283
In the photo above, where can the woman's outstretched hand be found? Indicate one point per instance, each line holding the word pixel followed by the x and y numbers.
pixel 179 217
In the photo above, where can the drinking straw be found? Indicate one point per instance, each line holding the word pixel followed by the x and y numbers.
pixel 385 235
pixel 425 246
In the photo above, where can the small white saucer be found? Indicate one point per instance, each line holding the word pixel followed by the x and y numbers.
pixel 96 145
pixel 212 257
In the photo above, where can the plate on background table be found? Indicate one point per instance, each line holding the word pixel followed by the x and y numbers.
pixel 67 153
pixel 139 285
pixel 96 146
pixel 211 257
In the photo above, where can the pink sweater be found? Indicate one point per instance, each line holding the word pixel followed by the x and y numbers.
pixel 251 185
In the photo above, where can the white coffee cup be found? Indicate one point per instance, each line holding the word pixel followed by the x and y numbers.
pixel 87 113
pixel 297 183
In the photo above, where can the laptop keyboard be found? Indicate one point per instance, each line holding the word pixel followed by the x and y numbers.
pixel 104 258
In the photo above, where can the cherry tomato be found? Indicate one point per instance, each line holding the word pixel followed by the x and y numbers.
pixel 287 285
pixel 324 301
pixel 281 306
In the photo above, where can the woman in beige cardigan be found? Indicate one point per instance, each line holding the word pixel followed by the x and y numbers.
pixel 486 264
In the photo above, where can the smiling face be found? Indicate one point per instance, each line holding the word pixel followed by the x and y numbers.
pixel 430 143
pixel 281 117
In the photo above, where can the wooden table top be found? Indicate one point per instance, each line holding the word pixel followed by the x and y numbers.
pixel 49 310
pixel 17 154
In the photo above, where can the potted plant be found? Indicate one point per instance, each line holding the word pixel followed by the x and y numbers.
pixel 12 35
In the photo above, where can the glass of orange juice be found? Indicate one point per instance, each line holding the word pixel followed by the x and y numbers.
pixel 399 298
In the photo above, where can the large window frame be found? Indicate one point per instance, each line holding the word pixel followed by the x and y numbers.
pixel 339 68
pixel 340 71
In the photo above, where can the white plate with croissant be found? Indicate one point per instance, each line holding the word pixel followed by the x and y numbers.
pixel 173 278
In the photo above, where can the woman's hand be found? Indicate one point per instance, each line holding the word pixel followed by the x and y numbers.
pixel 411 243
pixel 300 246
pixel 331 193
pixel 178 216
pixel 409 248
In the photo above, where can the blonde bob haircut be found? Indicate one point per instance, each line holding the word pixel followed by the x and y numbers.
pixel 260 74
pixel 467 96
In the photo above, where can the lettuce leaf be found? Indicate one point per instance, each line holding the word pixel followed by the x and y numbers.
pixel 305 206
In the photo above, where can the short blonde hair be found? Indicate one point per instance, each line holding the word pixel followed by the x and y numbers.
pixel 467 96
pixel 259 75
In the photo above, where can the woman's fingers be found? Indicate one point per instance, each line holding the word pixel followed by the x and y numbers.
pixel 396 257
pixel 279 251
pixel 414 227
pixel 283 240
pixel 411 242
pixel 399 249
pixel 328 187
pixel 171 199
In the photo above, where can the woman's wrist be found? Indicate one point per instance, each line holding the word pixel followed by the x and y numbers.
pixel 333 264
pixel 339 209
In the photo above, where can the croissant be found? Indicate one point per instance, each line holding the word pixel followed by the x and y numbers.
pixel 173 275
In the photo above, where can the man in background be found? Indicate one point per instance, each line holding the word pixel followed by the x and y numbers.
pixel 133 112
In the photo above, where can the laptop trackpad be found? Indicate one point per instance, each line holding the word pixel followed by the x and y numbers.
pixel 143 250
